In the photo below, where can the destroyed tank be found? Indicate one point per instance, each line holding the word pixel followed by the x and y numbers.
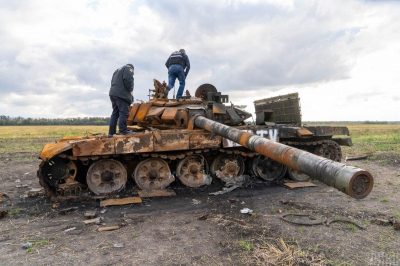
pixel 194 140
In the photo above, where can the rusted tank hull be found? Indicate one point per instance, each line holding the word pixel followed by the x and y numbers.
pixel 353 181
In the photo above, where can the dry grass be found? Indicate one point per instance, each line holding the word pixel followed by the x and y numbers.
pixel 32 138
pixel 282 253
pixel 371 138
pixel 367 138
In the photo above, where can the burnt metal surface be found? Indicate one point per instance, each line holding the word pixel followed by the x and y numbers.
pixel 353 181
pixel 137 143
pixel 167 139
pixel 106 176
pixel 328 130
pixel 153 174
pixel 132 113
pixel 94 146
pixel 192 171
pixel 171 140
pixel 142 112
pixel 267 169
pixel 282 109
pixel 52 149
pixel 203 140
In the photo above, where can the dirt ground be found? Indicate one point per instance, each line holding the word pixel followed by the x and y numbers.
pixel 195 228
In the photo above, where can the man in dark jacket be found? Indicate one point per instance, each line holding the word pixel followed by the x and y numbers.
pixel 178 68
pixel 121 97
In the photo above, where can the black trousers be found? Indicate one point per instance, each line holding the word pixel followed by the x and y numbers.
pixel 119 114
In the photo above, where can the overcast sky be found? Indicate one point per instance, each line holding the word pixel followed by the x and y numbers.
pixel 343 57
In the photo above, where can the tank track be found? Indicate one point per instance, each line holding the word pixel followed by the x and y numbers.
pixel 77 186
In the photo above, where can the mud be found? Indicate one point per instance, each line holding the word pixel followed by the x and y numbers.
pixel 195 228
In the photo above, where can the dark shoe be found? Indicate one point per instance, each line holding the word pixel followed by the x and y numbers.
pixel 127 132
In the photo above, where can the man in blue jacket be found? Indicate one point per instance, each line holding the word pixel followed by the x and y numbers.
pixel 121 97
pixel 178 68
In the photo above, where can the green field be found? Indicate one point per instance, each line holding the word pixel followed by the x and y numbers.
pixel 367 138
pixel 370 138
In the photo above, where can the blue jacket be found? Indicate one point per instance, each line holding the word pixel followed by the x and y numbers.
pixel 122 83
pixel 178 58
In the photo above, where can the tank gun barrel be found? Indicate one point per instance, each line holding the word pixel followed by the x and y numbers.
pixel 353 181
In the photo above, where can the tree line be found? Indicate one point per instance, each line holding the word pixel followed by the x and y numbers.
pixel 21 121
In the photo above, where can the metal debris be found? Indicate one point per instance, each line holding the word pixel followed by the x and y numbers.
pixel 108 228
pixel 26 245
pixel 123 201
pixel 355 158
pixel 224 190
pixel 118 245
pixel 35 192
pixel 196 202
pixel 293 185
pixel 246 211
pixel 69 229
pixel 156 193
pixel 344 220
pixel 93 221
pixel 310 219
pixel 90 214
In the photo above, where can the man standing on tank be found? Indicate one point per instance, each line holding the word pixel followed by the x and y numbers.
pixel 178 68
pixel 121 97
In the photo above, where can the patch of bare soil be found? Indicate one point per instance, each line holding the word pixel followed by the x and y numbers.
pixel 195 228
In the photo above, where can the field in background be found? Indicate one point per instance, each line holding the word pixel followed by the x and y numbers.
pixel 367 138
pixel 370 138
pixel 32 138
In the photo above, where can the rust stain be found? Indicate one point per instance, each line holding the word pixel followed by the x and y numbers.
pixel 96 146
pixel 219 108
pixel 284 155
pixel 303 132
pixel 172 140
pixel 182 118
pixel 244 138
pixel 203 140
pixel 155 111
pixel 52 149
pixel 142 112
pixel 169 114
pixel 137 143
pixel 132 113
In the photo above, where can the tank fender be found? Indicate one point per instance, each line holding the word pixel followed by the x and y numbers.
pixel 52 149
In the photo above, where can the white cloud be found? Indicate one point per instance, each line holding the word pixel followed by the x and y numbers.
pixel 57 57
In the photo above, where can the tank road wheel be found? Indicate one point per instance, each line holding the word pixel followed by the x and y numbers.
pixel 153 174
pixel 106 176
pixel 329 149
pixel 191 171
pixel 267 169
pixel 227 167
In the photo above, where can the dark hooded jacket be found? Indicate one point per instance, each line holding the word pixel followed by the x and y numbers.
pixel 122 83
pixel 179 58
